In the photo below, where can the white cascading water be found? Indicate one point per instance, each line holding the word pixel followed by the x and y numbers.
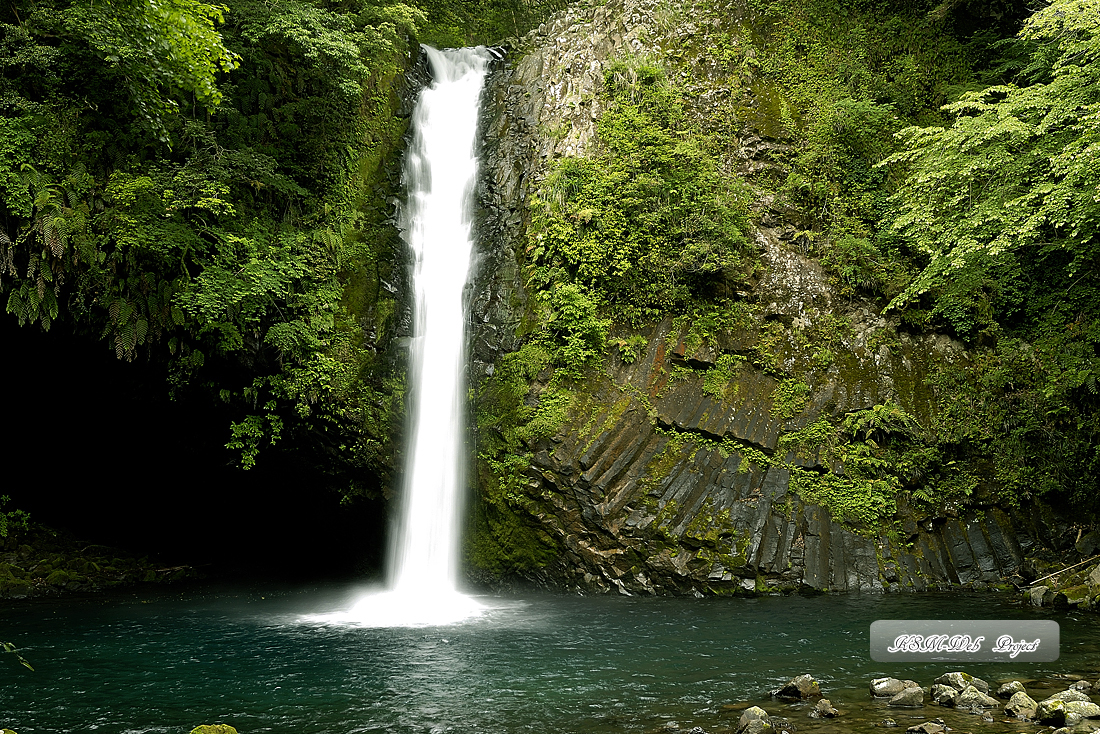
pixel 440 171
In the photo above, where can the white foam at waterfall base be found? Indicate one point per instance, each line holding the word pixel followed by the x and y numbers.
pixel 440 173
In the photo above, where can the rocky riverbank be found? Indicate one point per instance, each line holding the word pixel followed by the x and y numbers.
pixel 1065 585
pixel 42 561
pixel 954 701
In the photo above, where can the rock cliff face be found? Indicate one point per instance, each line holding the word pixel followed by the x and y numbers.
pixel 660 480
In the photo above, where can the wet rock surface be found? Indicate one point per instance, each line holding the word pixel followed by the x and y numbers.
pixel 890 686
pixel 910 697
pixel 971 697
pixel 800 687
pixel 944 695
pixel 866 713
pixel 1021 706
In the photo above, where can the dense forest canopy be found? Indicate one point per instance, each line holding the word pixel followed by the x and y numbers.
pixel 208 186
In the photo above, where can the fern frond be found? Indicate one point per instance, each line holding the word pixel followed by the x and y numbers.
pixel 30 298
pixel 56 235
pixel 51 307
pixel 16 307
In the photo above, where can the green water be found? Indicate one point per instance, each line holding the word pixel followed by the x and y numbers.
pixel 165 663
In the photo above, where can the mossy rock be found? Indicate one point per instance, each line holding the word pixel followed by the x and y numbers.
pixel 1076 594
pixel 6 731
pixel 213 729
pixel 59 577
pixel 13 585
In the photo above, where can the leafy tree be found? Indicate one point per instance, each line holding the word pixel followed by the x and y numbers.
pixel 1002 205
pixel 1012 180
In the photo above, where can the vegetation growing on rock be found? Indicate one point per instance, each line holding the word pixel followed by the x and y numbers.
pixel 899 389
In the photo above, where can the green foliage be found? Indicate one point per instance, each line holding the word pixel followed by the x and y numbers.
pixel 1001 204
pixel 646 225
pixel 573 330
pixel 720 379
pixel 154 49
pixel 790 398
pixel 12 522
pixel 216 201
pixel 861 501
pixel 456 23
pixel 861 465
pixel 630 348
pixel 1009 181
pixel 848 77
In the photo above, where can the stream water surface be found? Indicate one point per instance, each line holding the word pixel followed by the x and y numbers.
pixel 258 659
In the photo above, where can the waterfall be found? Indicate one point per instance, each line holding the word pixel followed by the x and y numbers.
pixel 440 172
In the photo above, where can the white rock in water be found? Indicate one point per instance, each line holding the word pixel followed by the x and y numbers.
pixel 1021 705
pixel 973 698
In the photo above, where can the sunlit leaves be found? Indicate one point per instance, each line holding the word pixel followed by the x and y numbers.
pixel 158 46
pixel 1017 168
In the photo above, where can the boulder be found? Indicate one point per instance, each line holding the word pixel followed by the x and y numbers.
pixel 1010 689
pixel 1073 719
pixel 1037 594
pixel 1089 543
pixel 214 729
pixel 1076 595
pixel 1021 705
pixel 802 687
pixel 908 697
pixel 972 698
pixel 944 695
pixel 928 727
pixel 824 710
pixel 881 687
pixel 1082 685
pixel 1094 576
pixel 1051 711
pixel 1085 709
pixel 1070 694
pixel 960 680
pixel 751 714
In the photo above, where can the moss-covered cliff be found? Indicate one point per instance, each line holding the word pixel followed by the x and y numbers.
pixel 685 377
